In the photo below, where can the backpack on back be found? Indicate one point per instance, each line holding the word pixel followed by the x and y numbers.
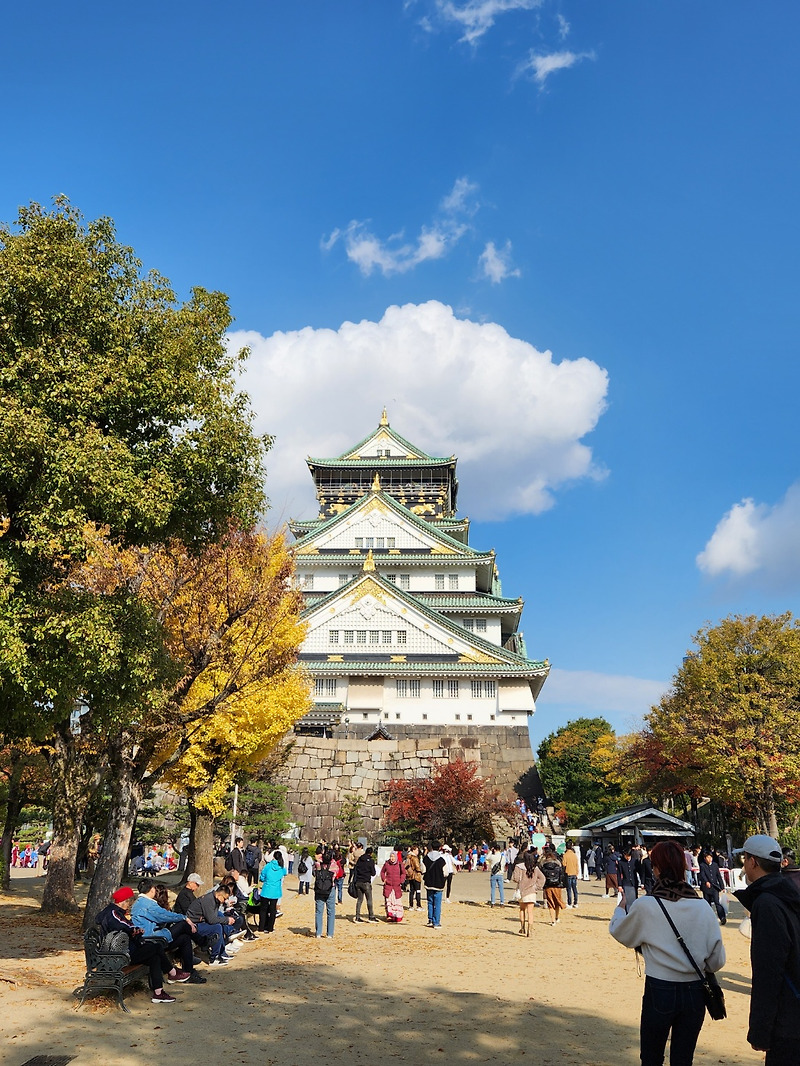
pixel 323 883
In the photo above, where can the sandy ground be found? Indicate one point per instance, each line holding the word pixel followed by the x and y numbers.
pixel 473 992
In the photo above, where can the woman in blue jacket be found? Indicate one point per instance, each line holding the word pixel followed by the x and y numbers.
pixel 271 891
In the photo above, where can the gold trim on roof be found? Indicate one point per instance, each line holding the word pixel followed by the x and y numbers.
pixel 376 483
pixel 384 419
pixel 369 562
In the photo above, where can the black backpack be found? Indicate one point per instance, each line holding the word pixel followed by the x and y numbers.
pixel 323 883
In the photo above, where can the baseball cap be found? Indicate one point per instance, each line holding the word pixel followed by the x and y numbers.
pixel 122 894
pixel 198 880
pixel 761 847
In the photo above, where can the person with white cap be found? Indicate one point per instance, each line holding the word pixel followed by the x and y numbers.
pixel 186 896
pixel 774 906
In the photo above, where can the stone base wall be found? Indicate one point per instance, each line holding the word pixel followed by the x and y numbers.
pixel 320 771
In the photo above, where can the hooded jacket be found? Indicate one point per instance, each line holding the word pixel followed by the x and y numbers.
pixel 434 866
pixel 774 906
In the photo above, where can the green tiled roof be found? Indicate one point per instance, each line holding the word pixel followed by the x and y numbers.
pixel 427 527
pixel 467 601
pixel 506 658
pixel 394 561
pixel 387 429
pixel 528 669
pixel 382 460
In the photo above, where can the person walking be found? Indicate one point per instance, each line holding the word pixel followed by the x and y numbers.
pixel 365 871
pixel 325 894
pixel 393 878
pixel 571 867
pixel 529 880
pixel 414 879
pixel 449 871
pixel 553 872
pixel 774 906
pixel 434 877
pixel 271 878
pixel 627 876
pixel 673 1005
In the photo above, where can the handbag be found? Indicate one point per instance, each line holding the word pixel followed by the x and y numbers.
pixel 352 891
pixel 712 993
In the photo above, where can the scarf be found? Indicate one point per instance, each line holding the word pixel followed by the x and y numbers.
pixel 673 890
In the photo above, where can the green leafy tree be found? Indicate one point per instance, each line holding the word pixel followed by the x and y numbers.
pixel 351 817
pixel 119 420
pixel 262 811
pixel 730 726
pixel 568 768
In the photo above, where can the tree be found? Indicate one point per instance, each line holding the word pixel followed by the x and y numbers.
pixel 730 726
pixel 452 803
pixel 119 418
pixel 23 779
pixel 569 770
pixel 351 817
pixel 230 617
pixel 262 813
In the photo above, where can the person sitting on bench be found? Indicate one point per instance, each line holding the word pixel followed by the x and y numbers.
pixel 159 923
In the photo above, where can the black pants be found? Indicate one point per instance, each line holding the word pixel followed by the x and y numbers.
pixel 414 894
pixel 154 956
pixel 448 884
pixel 711 896
pixel 672 1010
pixel 783 1053
pixel 267 910
pixel 182 942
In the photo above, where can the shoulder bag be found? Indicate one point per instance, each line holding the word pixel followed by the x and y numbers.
pixel 712 993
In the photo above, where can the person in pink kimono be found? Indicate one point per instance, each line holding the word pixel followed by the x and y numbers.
pixel 393 877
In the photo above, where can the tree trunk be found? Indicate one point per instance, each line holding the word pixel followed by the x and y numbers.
pixel 14 805
pixel 200 859
pixel 126 792
pixel 76 775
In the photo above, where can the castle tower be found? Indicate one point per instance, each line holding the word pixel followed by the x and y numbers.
pixel 407 626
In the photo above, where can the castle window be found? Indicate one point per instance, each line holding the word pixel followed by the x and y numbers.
pixel 391 577
pixel 480 625
pixel 397 716
pixel 401 636
pixel 308 581
pixel 452 690
pixel 490 689
pixel 469 717
pixel 343 579
pixel 374 636
pixel 390 542
pixel 438 689
pixel 452 582
pixel 424 718
pixel 386 634
pixel 348 636
pixel 405 581
pixel 468 623
pixel 438 581
pixel 359 542
pixel 369 542
pixel 333 636
pixel 414 690
pixel 325 686
pixel 458 717
pixel 401 689
pixel 379 542
pixel 361 636
pixel 365 715
pixel 477 689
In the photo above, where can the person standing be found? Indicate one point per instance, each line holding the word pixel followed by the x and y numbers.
pixel 252 858
pixel 496 864
pixel 305 872
pixel 627 876
pixel 612 858
pixel 449 871
pixel 789 867
pixel 434 876
pixel 364 872
pixel 673 1006
pixel 711 884
pixel 325 894
pixel 393 876
pixel 271 879
pixel 571 867
pixel 774 906
pixel 414 879
pixel 529 880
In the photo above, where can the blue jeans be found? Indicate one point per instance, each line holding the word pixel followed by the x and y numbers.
pixel 339 889
pixel 218 948
pixel 321 905
pixel 572 889
pixel 496 882
pixel 434 906
pixel 671 1007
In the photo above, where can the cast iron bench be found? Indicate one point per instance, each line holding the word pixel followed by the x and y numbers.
pixel 108 969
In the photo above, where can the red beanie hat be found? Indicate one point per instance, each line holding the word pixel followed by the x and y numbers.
pixel 122 894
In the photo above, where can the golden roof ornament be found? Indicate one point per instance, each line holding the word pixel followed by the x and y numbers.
pixel 384 419
pixel 376 483
pixel 369 563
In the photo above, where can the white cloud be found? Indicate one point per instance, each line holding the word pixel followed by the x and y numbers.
pixel 540 67
pixel 563 26
pixel 596 693
pixel 397 256
pixel 496 263
pixel 476 17
pixel 756 538
pixel 514 417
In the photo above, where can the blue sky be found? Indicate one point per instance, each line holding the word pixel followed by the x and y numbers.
pixel 557 239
